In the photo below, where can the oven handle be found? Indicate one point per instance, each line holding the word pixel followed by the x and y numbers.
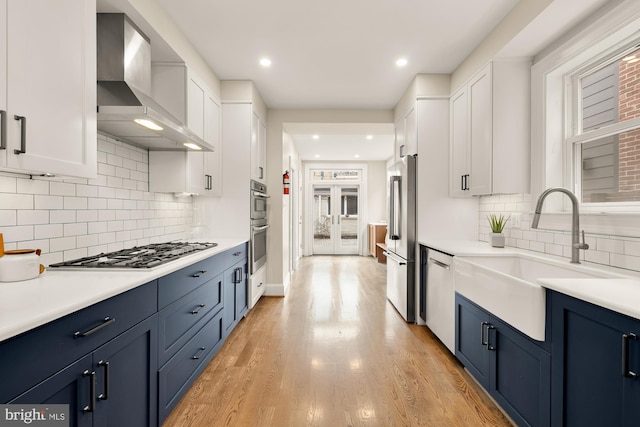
pixel 264 227
pixel 264 196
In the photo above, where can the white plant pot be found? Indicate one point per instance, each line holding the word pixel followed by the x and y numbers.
pixel 497 240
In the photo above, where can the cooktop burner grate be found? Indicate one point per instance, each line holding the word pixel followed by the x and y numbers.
pixel 140 257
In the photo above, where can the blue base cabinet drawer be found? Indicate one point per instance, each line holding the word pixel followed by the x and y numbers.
pixel 29 358
pixel 177 375
pixel 235 255
pixel 179 283
pixel 195 308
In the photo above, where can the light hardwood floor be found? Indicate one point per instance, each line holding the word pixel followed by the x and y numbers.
pixel 334 352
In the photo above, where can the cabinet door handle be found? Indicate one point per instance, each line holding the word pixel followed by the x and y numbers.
pixel 260 284
pixel 462 182
pixel 197 310
pixel 625 355
pixel 198 354
pixel 105 395
pixel 106 322
pixel 261 172
pixel 23 135
pixel 482 340
pixel 199 273
pixel 439 263
pixel 3 129
pixel 489 346
pixel 92 391
pixel 237 275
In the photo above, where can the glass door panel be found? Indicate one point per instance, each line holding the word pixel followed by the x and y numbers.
pixel 336 227
pixel 348 223
pixel 323 230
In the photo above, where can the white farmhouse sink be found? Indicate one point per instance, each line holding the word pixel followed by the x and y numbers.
pixel 507 286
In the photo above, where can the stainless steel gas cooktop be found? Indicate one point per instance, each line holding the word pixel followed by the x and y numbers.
pixel 141 257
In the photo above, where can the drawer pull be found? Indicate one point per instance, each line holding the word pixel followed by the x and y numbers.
pixel 92 391
pixel 237 253
pixel 199 273
pixel 197 310
pixel 105 395
pixel 199 353
pixel 260 284
pixel 625 355
pixel 106 322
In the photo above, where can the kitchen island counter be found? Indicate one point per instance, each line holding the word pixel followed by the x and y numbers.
pixel 31 303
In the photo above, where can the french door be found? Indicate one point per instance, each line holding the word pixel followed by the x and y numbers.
pixel 336 226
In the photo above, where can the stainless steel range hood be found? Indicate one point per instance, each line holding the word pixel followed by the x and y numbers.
pixel 124 87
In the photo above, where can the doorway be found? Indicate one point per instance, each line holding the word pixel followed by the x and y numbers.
pixel 336 222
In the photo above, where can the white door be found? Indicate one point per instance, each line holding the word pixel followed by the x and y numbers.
pixel 336 225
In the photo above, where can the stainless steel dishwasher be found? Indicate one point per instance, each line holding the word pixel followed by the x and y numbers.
pixel 440 296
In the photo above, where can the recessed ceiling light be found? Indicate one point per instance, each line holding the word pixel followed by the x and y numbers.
pixel 315 136
pixel 265 62
pixel 192 146
pixel 317 155
pixel 148 124
pixel 401 62
pixel 356 156
pixel 369 136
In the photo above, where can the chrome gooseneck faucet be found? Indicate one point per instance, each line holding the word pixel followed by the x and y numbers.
pixel 575 221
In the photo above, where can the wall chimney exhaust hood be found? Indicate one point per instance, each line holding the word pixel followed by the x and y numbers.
pixel 125 108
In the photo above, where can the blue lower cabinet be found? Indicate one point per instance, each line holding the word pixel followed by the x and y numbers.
pixel 177 375
pixel 235 284
pixel 115 385
pixel 596 356
pixel 70 386
pixel 513 368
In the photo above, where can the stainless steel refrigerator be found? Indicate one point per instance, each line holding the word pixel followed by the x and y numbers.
pixel 401 237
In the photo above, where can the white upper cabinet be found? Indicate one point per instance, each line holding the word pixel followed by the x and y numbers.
pixel 48 87
pixel 490 131
pixel 195 172
pixel 406 135
pixel 258 149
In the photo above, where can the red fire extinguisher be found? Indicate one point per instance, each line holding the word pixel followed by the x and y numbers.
pixel 286 182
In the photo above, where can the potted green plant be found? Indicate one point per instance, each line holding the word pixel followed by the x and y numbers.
pixel 497 224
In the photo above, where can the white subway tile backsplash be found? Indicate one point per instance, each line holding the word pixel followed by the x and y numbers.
pixel 8 184
pixel 62 189
pixel 8 218
pixel 617 251
pixel 32 186
pixel 60 216
pixel 18 233
pixel 71 203
pixel 16 201
pixel 32 217
pixel 75 229
pixel 80 217
pixel 48 202
pixel 49 231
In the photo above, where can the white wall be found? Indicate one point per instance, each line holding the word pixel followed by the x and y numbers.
pixel 75 218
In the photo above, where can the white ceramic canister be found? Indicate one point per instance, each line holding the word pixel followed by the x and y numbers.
pixel 20 264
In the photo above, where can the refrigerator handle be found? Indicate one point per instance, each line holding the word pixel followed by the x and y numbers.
pixel 394 206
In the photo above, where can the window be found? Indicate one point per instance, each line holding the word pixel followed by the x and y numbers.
pixel 605 137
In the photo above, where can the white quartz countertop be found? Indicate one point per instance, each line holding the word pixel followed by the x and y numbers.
pixel 618 294
pixel 55 293
pixel 621 295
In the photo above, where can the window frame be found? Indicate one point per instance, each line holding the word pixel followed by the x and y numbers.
pixel 553 112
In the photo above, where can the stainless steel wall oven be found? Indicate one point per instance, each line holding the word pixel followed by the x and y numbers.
pixel 259 225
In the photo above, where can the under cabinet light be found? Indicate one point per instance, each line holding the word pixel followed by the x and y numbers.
pixel 148 124
pixel 192 146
